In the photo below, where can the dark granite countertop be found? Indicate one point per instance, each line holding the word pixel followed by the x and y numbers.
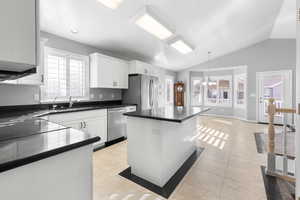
pixel 26 138
pixel 16 113
pixel 20 151
pixel 171 114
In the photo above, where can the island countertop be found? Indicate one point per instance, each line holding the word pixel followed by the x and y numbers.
pixel 171 114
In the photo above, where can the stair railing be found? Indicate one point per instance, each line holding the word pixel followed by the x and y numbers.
pixel 272 155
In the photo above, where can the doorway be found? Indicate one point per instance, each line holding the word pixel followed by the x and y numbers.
pixel 277 85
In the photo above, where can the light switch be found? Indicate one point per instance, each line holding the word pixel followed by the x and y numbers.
pixel 100 96
pixel 92 96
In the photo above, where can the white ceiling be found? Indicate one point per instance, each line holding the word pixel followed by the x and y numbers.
pixel 285 25
pixel 217 26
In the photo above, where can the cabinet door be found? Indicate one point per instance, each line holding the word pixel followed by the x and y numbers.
pixel 101 72
pixel 108 72
pixel 18 33
pixel 97 127
pixel 143 68
pixel 121 74
pixel 105 73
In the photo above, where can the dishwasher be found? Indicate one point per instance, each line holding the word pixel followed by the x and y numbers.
pixel 116 124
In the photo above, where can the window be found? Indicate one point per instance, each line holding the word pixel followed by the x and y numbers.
pixel 218 91
pixel 66 74
pixel 196 91
pixel 240 90
pixel 169 90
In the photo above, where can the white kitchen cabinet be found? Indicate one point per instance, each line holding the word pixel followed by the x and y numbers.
pixel 108 72
pixel 138 67
pixel 96 127
pixel 19 33
pixel 36 78
pixel 93 122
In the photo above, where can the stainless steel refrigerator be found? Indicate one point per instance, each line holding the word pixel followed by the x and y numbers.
pixel 142 91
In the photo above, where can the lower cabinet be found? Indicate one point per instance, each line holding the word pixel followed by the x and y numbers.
pixel 97 127
pixel 91 122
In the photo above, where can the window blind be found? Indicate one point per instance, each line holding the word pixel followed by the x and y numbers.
pixel 66 75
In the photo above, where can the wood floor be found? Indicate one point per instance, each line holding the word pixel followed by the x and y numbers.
pixel 228 169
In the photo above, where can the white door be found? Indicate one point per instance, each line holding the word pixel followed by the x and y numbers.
pixel 169 91
pixel 277 85
pixel 196 91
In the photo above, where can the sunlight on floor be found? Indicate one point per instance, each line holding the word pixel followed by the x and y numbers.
pixel 212 136
pixel 130 196
pixel 223 121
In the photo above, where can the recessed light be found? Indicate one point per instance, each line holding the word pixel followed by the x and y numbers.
pixel 182 47
pixel 152 25
pixel 113 4
pixel 74 30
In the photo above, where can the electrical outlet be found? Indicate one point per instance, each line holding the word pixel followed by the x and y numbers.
pixel 36 97
pixel 100 96
pixel 92 96
pixel 112 95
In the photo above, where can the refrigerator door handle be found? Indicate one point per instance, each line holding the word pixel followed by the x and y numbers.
pixel 151 93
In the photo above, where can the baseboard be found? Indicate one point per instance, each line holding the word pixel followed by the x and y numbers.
pixel 109 143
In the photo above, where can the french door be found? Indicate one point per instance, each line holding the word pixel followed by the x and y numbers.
pixel 277 85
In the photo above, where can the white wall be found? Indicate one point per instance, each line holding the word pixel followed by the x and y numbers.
pixel 298 116
pixel 269 55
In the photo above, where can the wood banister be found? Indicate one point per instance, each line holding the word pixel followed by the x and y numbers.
pixel 272 110
pixel 286 110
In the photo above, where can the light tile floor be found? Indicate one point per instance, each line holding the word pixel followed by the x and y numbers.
pixel 228 169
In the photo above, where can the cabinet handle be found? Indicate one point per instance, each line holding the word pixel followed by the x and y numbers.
pixel 80 125
pixel 84 124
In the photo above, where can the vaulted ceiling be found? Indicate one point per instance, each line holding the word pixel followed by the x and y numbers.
pixel 216 26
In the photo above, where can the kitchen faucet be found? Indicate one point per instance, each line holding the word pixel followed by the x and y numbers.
pixel 54 106
pixel 70 102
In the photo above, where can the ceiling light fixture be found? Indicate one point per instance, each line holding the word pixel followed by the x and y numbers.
pixel 113 4
pixel 181 46
pixel 147 21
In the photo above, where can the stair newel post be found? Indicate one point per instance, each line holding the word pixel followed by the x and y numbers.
pixel 271 129
pixel 271 165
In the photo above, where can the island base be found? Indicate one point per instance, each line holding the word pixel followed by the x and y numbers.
pixel 157 149
pixel 171 185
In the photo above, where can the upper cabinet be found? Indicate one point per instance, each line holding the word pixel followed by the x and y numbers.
pixel 19 32
pixel 108 72
pixel 139 67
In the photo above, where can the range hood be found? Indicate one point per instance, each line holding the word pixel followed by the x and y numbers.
pixel 12 71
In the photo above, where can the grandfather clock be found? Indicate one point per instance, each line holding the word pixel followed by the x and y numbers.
pixel 179 93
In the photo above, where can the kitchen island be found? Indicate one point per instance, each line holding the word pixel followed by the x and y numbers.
pixel 44 160
pixel 160 141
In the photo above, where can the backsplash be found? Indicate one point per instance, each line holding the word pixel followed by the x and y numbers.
pixel 28 95
pixel 104 94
